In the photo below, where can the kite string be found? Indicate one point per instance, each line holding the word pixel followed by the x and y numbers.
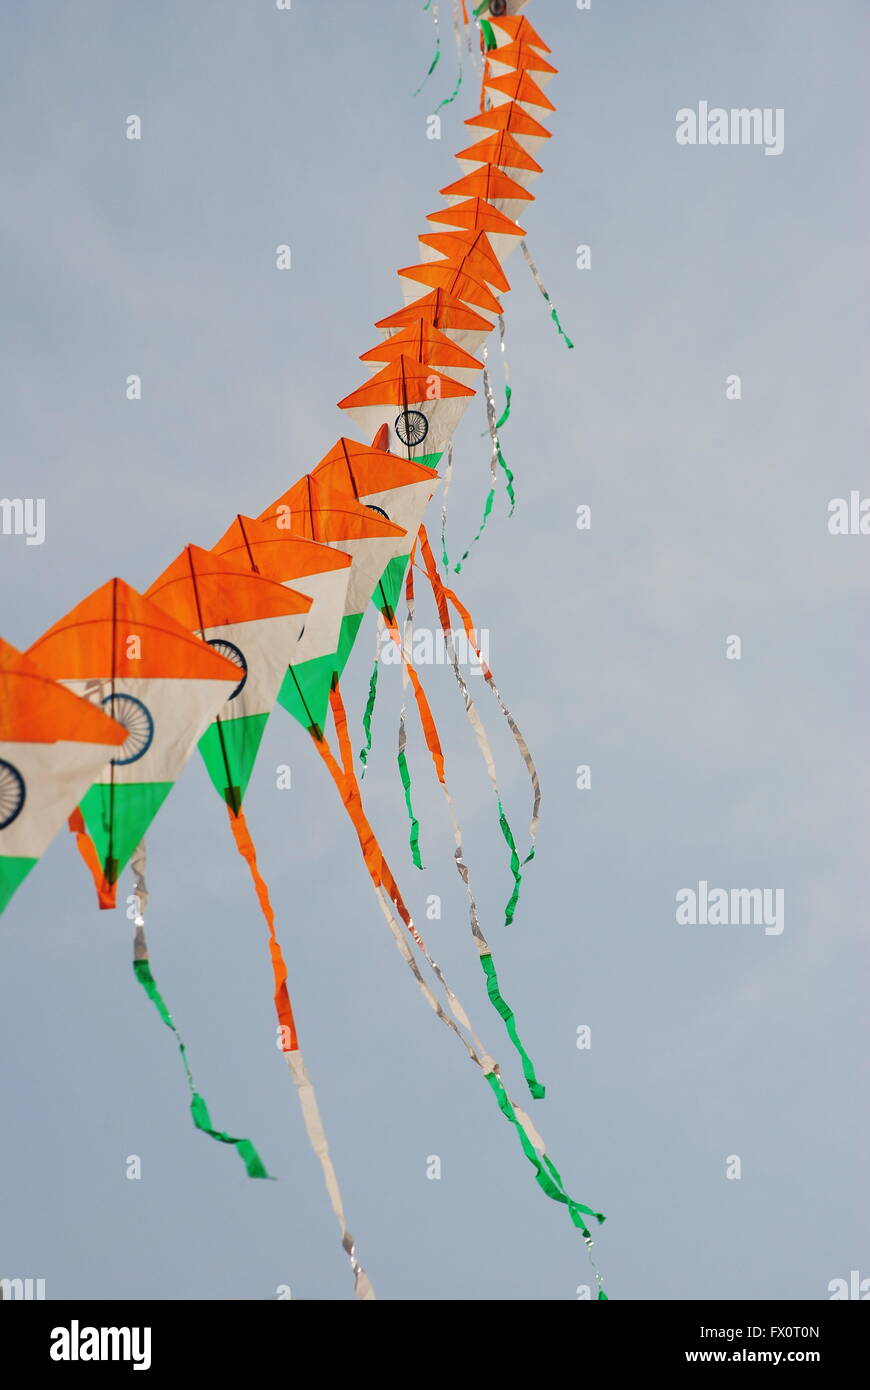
pixel 142 970
pixel 289 1043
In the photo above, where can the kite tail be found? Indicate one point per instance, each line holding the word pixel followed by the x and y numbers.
pixel 379 870
pixel 390 898
pixel 142 970
pixel 496 461
pixel 497 455
pixel 505 415
pixel 404 770
pixel 439 592
pixel 317 1139
pixel 540 284
pixel 437 58
pixel 484 950
pixel 370 704
pixel 283 1007
pixel 289 1041
pixel 443 596
pixel 448 478
pixel 445 101
pixel 547 1175
pixel 487 511
pixel 107 893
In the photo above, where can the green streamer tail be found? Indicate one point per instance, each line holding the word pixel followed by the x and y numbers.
pixel 453 95
pixel 537 1089
pixel 199 1110
pixel 546 1174
pixel 555 317
pixel 505 415
pixel 487 509
pixel 414 837
pixel 516 867
pixel 367 717
pixel 542 288
pixel 508 481
pixel 432 66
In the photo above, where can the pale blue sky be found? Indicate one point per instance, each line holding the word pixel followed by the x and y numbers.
pixel 709 518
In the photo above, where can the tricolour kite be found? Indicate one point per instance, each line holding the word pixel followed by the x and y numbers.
pixel 52 746
pixel 125 655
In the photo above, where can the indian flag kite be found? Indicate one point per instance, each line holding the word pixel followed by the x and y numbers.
pixel 337 520
pixel 164 686
pixel 52 746
pixel 256 624
pixel 445 312
pixel 420 406
pixel 396 489
pixel 318 572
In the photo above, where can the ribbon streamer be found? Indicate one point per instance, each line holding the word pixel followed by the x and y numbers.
pixel 448 479
pixel 106 892
pixel 317 1139
pixel 496 461
pixel 487 509
pixel 540 284
pixel 435 61
pixel 445 101
pixel 444 596
pixel 493 479
pixel 505 415
pixel 295 1061
pixel 496 445
pixel 142 970
pixel 389 896
pixel 434 744
pixel 283 1007
pixel 370 702
pixel 404 771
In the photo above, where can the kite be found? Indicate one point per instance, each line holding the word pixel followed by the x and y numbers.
pixel 125 655
pixel 52 746
pixel 321 574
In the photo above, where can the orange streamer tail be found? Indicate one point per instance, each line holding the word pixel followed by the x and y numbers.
pixel 283 1007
